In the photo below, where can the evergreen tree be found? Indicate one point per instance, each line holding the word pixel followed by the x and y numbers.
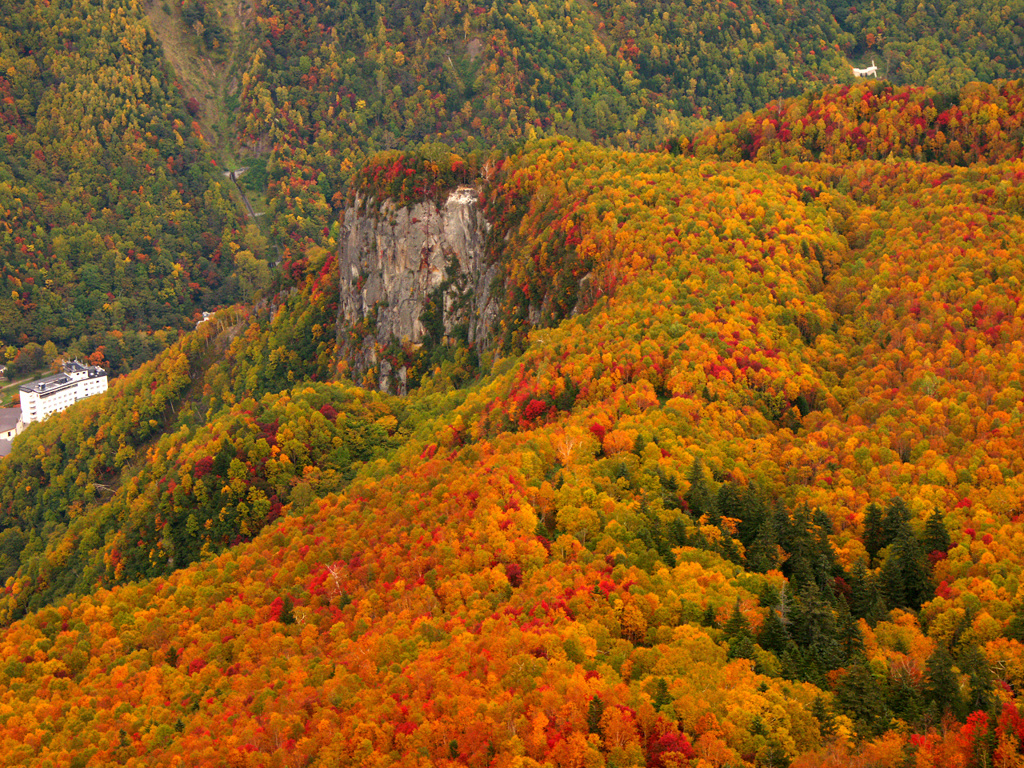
pixel 829 568
pixel 595 711
pixel 823 523
pixel 936 537
pixel 763 552
pixel 904 696
pixel 661 697
pixel 669 489
pixel 862 697
pixel 799 541
pixel 698 498
pixel 744 505
pixel 729 501
pixel 981 682
pixel 905 577
pixel 825 716
pixel 896 516
pixel 814 628
pixel 737 624
pixel 874 537
pixel 851 640
pixel 727 546
pixel 1015 629
pixel 677 531
pixel 737 632
pixel 287 615
pixel 941 684
pixel 773 754
pixel 742 647
pixel 773 636
pixel 866 599
pixel 793 663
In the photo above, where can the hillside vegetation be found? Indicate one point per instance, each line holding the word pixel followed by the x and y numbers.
pixel 114 229
pixel 328 85
pixel 750 494
pixel 117 117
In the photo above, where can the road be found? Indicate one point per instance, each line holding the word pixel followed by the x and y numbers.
pixel 245 200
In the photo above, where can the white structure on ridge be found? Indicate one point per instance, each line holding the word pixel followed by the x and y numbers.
pixel 871 71
pixel 41 398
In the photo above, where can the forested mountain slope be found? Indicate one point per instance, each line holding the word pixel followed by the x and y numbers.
pixel 113 223
pixel 329 84
pixel 757 501
pixel 118 225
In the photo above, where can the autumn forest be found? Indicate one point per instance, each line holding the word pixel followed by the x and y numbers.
pixel 734 478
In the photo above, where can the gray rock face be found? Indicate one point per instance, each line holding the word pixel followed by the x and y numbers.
pixel 393 261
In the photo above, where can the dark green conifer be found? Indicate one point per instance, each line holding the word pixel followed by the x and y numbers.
pixel 799 541
pixel 698 498
pixel 745 505
pixel 874 536
pixel 287 611
pixel 768 597
pixel 905 580
pixel 823 523
pixel 941 684
pixel 773 636
pixel 826 718
pixel 737 624
pixel 861 696
pixel 1015 629
pixel 814 628
pixel 669 489
pixel 792 662
pixel 763 552
pixel 661 697
pixel 728 548
pixel 851 640
pixel 742 647
pixel 981 683
pixel 866 601
pixel 896 516
pixel 594 714
pixel 936 537
pixel 904 696
pixel 773 754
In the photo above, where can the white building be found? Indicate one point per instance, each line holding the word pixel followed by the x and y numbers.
pixel 10 425
pixel 53 394
pixel 871 71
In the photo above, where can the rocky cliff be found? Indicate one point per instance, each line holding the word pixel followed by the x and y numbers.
pixel 412 276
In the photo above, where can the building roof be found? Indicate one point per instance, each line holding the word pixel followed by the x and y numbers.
pixel 9 418
pixel 58 380
pixel 5 448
